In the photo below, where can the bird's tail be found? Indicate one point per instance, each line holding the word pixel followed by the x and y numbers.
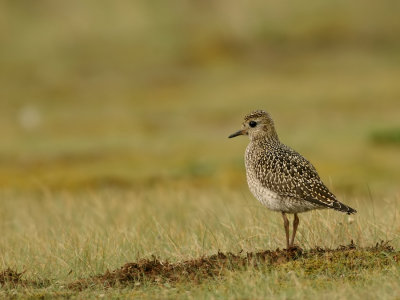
pixel 343 208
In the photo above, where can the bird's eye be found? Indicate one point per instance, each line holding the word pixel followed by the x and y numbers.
pixel 252 123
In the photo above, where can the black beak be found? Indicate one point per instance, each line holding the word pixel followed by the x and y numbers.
pixel 240 132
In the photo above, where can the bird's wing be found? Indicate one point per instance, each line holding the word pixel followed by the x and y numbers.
pixel 290 175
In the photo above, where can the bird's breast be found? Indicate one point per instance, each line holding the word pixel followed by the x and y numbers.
pixel 266 196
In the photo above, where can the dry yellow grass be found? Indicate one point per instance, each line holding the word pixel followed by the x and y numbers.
pixel 57 238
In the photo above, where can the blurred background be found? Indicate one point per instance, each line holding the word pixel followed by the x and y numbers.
pixel 137 94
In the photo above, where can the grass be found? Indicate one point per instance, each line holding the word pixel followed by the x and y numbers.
pixel 58 238
pixel 114 121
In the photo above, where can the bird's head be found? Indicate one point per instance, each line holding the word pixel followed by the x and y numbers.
pixel 257 125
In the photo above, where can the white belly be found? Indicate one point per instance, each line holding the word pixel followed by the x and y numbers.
pixel 267 197
pixel 275 202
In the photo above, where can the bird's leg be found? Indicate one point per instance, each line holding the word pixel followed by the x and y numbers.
pixel 295 224
pixel 286 224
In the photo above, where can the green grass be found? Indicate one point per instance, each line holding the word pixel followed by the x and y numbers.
pixel 114 121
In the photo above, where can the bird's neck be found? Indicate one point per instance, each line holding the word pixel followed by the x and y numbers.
pixel 267 134
pixel 264 142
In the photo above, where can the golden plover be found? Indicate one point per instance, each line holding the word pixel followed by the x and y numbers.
pixel 279 177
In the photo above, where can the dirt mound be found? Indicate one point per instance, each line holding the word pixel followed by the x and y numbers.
pixel 154 270
pixel 10 276
pixel 193 270
pixel 13 278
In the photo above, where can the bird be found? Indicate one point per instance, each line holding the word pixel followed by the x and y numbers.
pixel 281 178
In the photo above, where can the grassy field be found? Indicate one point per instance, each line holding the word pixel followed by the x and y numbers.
pixel 114 121
pixel 58 238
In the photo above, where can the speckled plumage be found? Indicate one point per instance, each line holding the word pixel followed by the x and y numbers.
pixel 279 177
